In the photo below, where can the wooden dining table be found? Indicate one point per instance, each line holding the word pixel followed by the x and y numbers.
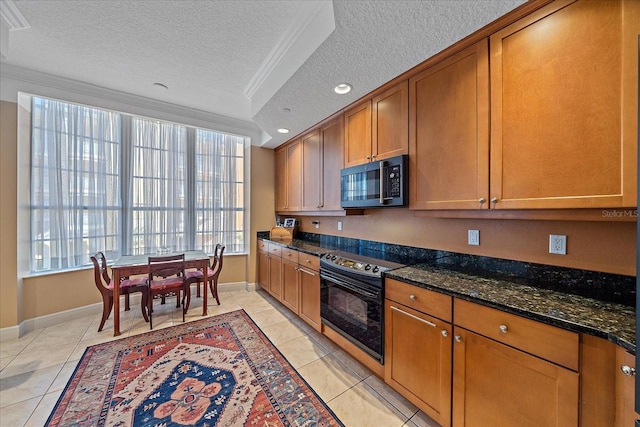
pixel 130 265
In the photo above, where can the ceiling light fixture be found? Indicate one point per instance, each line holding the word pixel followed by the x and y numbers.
pixel 283 130
pixel 343 88
pixel 162 85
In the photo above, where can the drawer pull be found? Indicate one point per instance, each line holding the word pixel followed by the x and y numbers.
pixel 628 370
pixel 413 317
pixel 306 272
pixel 458 338
pixel 504 329
pixel 412 297
pixel 444 333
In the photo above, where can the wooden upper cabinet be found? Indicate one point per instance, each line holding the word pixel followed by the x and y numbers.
pixel 281 179
pixel 289 177
pixel 311 171
pixel 357 134
pixel 331 138
pixel 390 122
pixel 378 127
pixel 563 110
pixel 449 132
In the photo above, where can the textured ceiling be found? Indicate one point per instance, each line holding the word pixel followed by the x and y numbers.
pixel 209 52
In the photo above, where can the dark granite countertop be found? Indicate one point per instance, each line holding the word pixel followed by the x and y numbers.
pixel 614 322
pixel 575 312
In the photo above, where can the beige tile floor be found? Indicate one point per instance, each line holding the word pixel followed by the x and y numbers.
pixel 35 368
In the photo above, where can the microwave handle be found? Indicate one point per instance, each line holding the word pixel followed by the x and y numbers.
pixel 382 180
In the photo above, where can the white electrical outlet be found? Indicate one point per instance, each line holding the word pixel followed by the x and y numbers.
pixel 557 244
pixel 339 225
pixel 474 237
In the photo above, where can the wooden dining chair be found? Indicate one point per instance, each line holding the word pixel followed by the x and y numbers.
pixel 166 277
pixel 212 274
pixel 104 283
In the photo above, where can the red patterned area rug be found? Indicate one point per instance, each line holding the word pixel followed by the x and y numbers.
pixel 218 371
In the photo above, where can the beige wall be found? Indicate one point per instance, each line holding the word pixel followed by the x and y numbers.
pixel 9 295
pixel 596 245
pixel 262 200
pixel 52 293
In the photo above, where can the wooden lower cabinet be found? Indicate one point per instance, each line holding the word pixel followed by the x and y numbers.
pixel 290 286
pixel 418 359
pixel 497 385
pixel 310 297
pixel 275 276
pixel 263 270
pixel 607 384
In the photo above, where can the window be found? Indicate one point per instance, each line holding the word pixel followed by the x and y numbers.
pixel 110 182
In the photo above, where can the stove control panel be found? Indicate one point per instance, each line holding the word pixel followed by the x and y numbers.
pixel 359 266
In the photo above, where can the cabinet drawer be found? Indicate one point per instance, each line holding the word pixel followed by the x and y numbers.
pixel 424 300
pixel 262 245
pixel 290 255
pixel 275 249
pixel 545 341
pixel 311 262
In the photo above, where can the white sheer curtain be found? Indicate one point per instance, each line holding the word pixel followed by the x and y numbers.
pixel 219 191
pixel 157 217
pixel 74 184
pixel 120 184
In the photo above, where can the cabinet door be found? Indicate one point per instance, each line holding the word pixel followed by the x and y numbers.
pixel 499 386
pixel 357 134
pixel 625 388
pixel 311 174
pixel 294 176
pixel 263 270
pixel 390 123
pixel 418 359
pixel 564 118
pixel 331 136
pixel 281 179
pixel 290 286
pixel 449 132
pixel 310 297
pixel 275 277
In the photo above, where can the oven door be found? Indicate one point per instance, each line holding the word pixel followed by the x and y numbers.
pixel 354 309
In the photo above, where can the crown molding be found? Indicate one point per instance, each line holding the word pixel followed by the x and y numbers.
pixel 311 26
pixel 12 15
pixel 18 79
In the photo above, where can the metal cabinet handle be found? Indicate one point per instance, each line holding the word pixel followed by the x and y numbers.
pixel 481 200
pixel 458 338
pixel 413 317
pixel 412 297
pixel 368 157
pixel 445 333
pixel 306 272
pixel 628 370
pixel 494 200
pixel 503 329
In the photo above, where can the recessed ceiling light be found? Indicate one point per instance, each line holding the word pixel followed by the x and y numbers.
pixel 283 130
pixel 342 88
pixel 162 85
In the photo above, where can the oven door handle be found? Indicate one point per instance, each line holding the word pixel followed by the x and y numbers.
pixel 349 286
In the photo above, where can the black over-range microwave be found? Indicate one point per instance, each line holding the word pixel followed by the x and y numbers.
pixel 376 184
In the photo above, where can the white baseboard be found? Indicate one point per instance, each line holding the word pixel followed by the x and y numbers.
pixel 40 322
